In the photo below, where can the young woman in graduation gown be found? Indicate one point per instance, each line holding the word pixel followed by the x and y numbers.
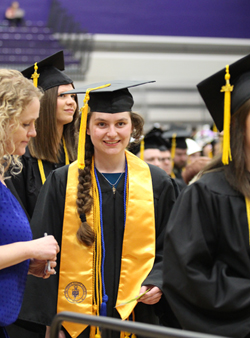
pixel 207 247
pixel 57 128
pixel 108 210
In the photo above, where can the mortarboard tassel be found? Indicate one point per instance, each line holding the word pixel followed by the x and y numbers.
pixel 227 89
pixel 173 147
pixel 215 130
pixel 82 132
pixel 142 147
pixel 35 75
pixel 248 216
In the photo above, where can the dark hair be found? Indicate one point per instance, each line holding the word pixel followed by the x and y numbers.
pixel 137 123
pixel 46 144
pixel 236 172
pixel 85 233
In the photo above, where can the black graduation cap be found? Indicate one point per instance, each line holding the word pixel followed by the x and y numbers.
pixel 179 135
pixel 210 89
pixel 106 97
pixel 50 72
pixel 114 98
pixel 152 140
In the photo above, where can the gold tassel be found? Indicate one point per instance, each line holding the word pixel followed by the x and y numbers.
pixel 98 334
pixel 128 334
pixel 172 175
pixel 93 329
pixel 92 332
pixel 227 89
pixel 248 216
pixel 142 147
pixel 215 130
pixel 173 147
pixel 65 151
pixel 82 134
pixel 35 75
pixel 133 315
pixel 41 170
pixel 82 131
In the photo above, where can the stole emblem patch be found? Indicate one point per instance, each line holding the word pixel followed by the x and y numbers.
pixel 75 292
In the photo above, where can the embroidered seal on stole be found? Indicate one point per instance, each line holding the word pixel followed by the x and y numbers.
pixel 75 292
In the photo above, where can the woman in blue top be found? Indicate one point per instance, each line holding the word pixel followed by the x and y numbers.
pixel 19 254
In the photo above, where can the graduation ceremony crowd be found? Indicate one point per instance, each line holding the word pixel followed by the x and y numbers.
pixel 99 217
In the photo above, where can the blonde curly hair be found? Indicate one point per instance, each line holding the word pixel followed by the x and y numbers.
pixel 16 92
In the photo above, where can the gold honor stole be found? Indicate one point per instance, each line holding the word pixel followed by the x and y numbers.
pixel 75 290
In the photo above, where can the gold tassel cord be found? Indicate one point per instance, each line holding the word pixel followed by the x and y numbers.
pixel 173 147
pixel 215 130
pixel 35 75
pixel 227 89
pixel 41 170
pixel 142 147
pixel 82 137
pixel 82 132
pixel 65 152
pixel 40 163
pixel 97 296
pixel 248 215
pixel 128 334
pixel 172 175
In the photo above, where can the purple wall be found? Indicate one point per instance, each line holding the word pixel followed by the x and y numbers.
pixel 208 18
pixel 204 18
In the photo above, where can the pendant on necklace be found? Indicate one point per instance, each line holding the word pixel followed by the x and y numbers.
pixel 114 190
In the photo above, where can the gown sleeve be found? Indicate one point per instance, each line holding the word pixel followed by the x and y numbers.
pixel 206 260
pixel 164 198
pixel 18 183
pixel 48 217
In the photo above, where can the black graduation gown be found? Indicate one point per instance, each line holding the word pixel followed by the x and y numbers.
pixel 25 187
pixel 207 259
pixel 28 183
pixel 11 187
pixel 179 179
pixel 40 300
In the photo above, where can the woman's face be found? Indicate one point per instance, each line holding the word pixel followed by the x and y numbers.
pixel 26 129
pixel 66 105
pixel 110 133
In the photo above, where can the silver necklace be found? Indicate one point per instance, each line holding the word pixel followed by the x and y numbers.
pixel 112 185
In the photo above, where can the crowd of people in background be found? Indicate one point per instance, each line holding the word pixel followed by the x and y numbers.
pixel 151 227
pixel 180 154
